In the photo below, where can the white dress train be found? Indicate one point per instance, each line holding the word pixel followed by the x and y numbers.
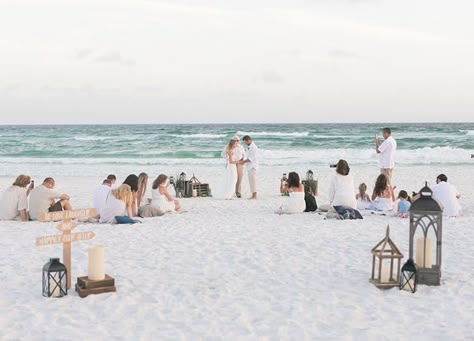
pixel 229 180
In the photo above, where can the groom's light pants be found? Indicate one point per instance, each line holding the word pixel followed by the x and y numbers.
pixel 253 180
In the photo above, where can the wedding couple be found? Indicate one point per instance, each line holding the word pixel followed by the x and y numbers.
pixel 236 158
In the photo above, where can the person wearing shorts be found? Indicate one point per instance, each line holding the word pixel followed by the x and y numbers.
pixel 44 199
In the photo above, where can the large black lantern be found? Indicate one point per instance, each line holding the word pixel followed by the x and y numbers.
pixel 426 217
pixel 54 279
pixel 180 186
pixel 310 185
pixel 409 276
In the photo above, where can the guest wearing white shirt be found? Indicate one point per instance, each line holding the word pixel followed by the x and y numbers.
pixel 386 149
pixel 44 198
pixel 100 195
pixel 447 195
pixel 252 164
pixel 341 187
pixel 238 155
pixel 14 202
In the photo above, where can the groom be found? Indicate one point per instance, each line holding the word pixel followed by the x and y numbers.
pixel 252 164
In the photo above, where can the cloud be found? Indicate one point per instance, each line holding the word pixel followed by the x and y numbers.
pixel 271 76
pixel 340 53
pixel 115 57
pixel 82 54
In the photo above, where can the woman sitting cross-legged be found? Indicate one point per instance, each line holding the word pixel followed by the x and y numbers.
pixel 118 206
pixel 382 196
pixel 295 202
pixel 161 198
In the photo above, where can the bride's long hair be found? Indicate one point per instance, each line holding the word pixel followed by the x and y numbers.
pixel 230 145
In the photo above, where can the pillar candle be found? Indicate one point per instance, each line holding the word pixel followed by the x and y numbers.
pixel 56 289
pixel 96 270
pixel 194 192
pixel 427 253
pixel 385 275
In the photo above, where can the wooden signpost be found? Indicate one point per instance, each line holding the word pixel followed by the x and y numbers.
pixel 66 225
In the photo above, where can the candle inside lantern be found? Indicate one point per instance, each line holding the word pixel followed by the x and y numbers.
pixel 194 192
pixel 96 270
pixel 385 275
pixel 427 254
pixel 55 283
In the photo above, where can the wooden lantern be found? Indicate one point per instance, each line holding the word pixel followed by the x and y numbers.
pixel 384 255
pixel 427 216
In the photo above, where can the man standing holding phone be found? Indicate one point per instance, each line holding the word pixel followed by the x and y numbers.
pixel 386 149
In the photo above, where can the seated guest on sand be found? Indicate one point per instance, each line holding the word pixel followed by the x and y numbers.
pixel 132 181
pixel 100 195
pixel 119 204
pixel 404 204
pixel 141 188
pixel 341 187
pixel 44 198
pixel 112 179
pixel 447 196
pixel 160 197
pixel 14 201
pixel 363 199
pixel 382 196
pixel 295 202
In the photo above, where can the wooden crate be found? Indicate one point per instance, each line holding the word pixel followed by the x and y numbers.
pixel 85 286
pixel 202 190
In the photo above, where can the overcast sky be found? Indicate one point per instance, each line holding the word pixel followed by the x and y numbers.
pixel 219 61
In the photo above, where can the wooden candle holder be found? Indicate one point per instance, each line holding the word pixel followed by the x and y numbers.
pixel 86 286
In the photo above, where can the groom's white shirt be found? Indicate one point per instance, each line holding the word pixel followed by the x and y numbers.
pixel 252 156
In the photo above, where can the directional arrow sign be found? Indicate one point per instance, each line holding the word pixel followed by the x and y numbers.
pixel 67 215
pixel 64 238
pixel 67 225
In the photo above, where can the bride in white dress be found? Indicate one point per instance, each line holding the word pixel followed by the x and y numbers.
pixel 229 179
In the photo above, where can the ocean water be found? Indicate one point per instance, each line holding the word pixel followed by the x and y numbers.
pixel 93 150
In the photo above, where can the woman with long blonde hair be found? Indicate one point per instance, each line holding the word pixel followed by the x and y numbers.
pixel 229 179
pixel 119 203
pixel 142 183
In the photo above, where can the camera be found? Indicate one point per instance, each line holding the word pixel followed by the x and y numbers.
pixel 333 166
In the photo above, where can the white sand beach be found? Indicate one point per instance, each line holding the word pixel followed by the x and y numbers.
pixel 226 270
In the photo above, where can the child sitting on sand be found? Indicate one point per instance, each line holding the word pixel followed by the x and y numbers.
pixel 404 204
pixel 363 199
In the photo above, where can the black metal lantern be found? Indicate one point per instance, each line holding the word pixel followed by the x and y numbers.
pixel 310 185
pixel 54 279
pixel 427 216
pixel 409 276
pixel 182 176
